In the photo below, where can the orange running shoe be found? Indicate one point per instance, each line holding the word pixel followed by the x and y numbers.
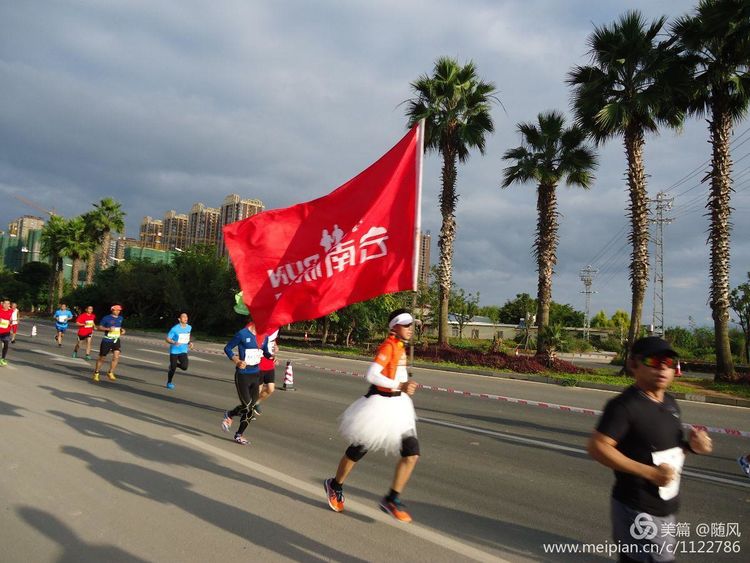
pixel 395 508
pixel 335 498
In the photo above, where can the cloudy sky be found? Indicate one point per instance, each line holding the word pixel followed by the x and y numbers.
pixel 163 103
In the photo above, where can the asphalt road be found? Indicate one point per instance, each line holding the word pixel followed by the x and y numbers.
pixel 131 471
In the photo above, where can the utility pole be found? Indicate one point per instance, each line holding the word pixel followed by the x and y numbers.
pixel 662 204
pixel 587 277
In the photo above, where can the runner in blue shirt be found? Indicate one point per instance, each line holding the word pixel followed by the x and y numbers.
pixel 111 326
pixel 62 316
pixel 179 340
pixel 246 376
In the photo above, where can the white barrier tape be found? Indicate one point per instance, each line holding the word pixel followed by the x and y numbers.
pixel 527 402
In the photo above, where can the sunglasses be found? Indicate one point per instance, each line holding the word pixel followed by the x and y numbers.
pixel 657 361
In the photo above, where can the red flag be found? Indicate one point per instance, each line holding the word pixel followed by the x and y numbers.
pixel 356 243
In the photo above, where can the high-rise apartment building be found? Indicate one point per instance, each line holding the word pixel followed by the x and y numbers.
pixel 150 233
pixel 203 225
pixel 234 208
pixel 174 230
pixel 26 232
pixel 425 241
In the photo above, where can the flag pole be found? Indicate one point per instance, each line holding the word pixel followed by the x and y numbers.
pixel 417 231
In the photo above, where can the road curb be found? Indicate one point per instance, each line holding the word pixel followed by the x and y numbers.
pixel 693 397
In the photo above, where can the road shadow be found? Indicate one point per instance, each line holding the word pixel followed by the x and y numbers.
pixel 109 405
pixel 168 490
pixel 74 548
pixel 171 453
pixel 6 409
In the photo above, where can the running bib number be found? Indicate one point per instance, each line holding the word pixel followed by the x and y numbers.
pixel 62 319
pixel 4 323
pixel 183 338
pixel 253 356
pixel 89 324
pixel 676 458
pixel 113 332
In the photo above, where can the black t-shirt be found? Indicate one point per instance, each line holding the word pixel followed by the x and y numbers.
pixel 641 427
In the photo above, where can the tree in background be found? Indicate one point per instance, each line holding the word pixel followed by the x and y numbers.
pixel 78 246
pixel 630 89
pixel 739 300
pixel 516 309
pixel 455 104
pixel 464 307
pixel 53 241
pixel 550 153
pixel 716 44
pixel 106 218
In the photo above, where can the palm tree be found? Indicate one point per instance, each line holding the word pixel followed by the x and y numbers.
pixel 549 154
pixel 94 236
pixel 629 89
pixel 52 245
pixel 77 245
pixel 716 43
pixel 106 217
pixel 455 104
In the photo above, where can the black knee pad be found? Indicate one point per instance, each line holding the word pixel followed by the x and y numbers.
pixel 409 446
pixel 355 453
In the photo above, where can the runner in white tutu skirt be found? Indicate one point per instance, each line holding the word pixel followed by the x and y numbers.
pixel 395 416
pixel 384 419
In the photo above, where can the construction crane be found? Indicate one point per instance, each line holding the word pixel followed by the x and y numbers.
pixel 50 212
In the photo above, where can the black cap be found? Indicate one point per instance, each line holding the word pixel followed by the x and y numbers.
pixel 652 346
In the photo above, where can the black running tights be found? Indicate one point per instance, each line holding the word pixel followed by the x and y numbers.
pixel 248 389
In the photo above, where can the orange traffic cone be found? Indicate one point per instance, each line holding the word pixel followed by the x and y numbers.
pixel 678 371
pixel 288 377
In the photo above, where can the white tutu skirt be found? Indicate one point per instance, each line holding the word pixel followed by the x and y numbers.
pixel 379 423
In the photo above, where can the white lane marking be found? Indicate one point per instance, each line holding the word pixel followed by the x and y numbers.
pixel 192 358
pixel 316 493
pixel 512 438
pixel 63 359
pixel 140 360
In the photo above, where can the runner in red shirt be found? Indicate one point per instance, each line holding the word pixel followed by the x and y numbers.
pixel 6 316
pixel 87 322
pixel 267 372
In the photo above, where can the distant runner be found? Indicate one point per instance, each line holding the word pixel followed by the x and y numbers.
pixel 5 333
pixel 87 323
pixel 13 322
pixel 179 340
pixel 62 316
pixel 111 325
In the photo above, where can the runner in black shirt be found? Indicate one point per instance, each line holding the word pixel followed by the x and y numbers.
pixel 640 437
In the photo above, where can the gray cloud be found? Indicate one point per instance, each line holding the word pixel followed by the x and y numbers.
pixel 163 104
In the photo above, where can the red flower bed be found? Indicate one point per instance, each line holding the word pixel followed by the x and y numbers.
pixel 497 361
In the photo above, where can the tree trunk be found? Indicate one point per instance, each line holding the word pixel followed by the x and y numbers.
pixel 104 257
pixel 448 199
pixel 60 280
pixel 719 212
pixel 639 232
pixel 326 325
pixel 74 273
pixel 545 248
pixel 90 268
pixel 52 286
